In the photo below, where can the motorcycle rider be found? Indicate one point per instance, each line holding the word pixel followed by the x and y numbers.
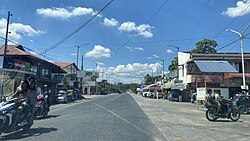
pixel 218 99
pixel 21 93
pixel 209 99
pixel 32 94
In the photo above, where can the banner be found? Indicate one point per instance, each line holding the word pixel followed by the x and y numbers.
pixel 8 86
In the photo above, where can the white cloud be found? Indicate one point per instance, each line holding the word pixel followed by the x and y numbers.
pixel 132 72
pixel 241 6
pixel 143 29
pixel 135 49
pixel 139 48
pixel 17 30
pixel 170 51
pixel 99 52
pixel 110 22
pixel 73 54
pixel 155 56
pixel 65 13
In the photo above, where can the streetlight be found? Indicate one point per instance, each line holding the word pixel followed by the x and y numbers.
pixel 78 51
pixel 242 52
pixel 178 48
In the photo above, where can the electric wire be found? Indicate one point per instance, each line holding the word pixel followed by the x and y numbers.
pixel 156 12
pixel 76 30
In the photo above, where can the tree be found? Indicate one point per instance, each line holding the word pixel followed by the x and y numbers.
pixel 205 46
pixel 148 79
pixel 174 64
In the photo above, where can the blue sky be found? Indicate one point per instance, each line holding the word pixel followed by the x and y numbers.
pixel 127 33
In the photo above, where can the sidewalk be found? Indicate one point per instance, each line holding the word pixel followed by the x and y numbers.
pixel 178 121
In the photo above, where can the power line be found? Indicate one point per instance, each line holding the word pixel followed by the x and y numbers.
pixel 163 41
pixel 228 44
pixel 125 43
pixel 235 18
pixel 199 22
pixel 76 30
pixel 38 53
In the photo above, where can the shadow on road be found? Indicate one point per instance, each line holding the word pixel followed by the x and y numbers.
pixel 48 117
pixel 32 132
pixel 220 120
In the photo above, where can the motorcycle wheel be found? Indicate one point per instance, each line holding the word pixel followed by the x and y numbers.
pixel 234 115
pixel 243 109
pixel 210 116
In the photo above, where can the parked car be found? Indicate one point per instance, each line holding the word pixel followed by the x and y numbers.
pixel 62 97
pixel 160 93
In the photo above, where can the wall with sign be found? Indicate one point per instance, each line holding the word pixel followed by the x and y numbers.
pixel 8 86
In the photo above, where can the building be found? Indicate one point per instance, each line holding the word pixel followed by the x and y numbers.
pixel 19 64
pixel 69 79
pixel 213 70
pixel 89 81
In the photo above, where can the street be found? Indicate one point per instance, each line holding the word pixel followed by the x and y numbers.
pixel 104 118
pixel 180 121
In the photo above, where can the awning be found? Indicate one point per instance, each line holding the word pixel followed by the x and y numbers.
pixel 153 86
pixel 215 66
pixel 168 85
pixel 178 86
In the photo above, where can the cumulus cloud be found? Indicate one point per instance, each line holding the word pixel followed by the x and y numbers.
pixel 131 49
pixel 99 52
pixel 65 13
pixel 110 22
pixel 17 30
pixel 169 51
pixel 130 73
pixel 241 6
pixel 139 48
pixel 143 29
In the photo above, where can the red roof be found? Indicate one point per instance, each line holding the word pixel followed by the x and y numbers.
pixel 63 64
pixel 15 51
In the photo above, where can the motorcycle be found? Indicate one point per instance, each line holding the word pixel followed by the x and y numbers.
pixel 228 111
pixel 42 106
pixel 8 110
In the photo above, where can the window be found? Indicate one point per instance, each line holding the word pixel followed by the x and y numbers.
pixel 45 72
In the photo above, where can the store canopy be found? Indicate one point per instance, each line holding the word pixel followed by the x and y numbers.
pixel 153 86
pixel 168 85
pixel 178 86
pixel 215 66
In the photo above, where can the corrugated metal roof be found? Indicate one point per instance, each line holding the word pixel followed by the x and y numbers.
pixel 215 66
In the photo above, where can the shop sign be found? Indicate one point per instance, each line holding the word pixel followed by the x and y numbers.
pixel 19 65
pixel 8 86
pixel 27 66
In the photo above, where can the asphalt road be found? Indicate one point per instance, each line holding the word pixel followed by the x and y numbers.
pixel 104 118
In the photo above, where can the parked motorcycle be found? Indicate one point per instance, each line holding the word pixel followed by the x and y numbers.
pixel 8 110
pixel 229 111
pixel 243 102
pixel 42 106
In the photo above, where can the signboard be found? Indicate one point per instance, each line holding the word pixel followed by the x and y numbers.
pixel 19 65
pixel 201 92
pixel 8 86
pixel 27 66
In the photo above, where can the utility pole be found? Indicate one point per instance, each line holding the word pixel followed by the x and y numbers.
pixel 242 36
pixel 5 51
pixel 6 35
